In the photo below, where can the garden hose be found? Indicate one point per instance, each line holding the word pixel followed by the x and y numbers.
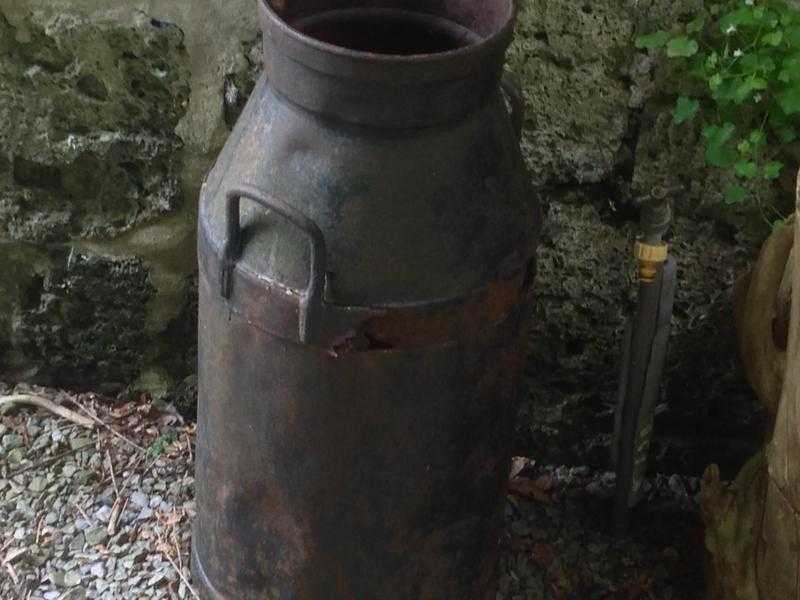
pixel 643 358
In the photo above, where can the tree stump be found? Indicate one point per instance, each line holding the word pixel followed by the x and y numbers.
pixel 753 525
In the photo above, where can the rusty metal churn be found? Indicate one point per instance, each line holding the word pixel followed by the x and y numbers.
pixel 366 248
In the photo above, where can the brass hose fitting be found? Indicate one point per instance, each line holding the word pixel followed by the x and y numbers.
pixel 650 259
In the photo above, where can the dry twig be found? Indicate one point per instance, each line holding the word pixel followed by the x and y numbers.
pixel 102 423
pixel 45 463
pixel 181 575
pixel 116 511
pixel 14 555
pixel 39 524
pixel 40 402
pixel 113 477
pixel 12 573
pixel 8 563
pixel 82 511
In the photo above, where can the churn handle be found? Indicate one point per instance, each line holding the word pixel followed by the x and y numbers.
pixel 311 298
pixel 513 91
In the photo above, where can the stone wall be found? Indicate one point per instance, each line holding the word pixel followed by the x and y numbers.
pixel 116 112
pixel 600 140
pixel 111 114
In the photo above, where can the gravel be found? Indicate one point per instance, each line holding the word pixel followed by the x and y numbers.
pixel 72 502
pixel 107 514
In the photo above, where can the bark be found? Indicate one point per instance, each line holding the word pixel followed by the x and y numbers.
pixel 753 525
pixel 760 312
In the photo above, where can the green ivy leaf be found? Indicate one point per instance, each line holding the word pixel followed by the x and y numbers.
pixel 789 100
pixel 747 169
pixel 745 149
pixel 682 47
pixel 735 194
pixel 792 35
pixel 756 140
pixel 719 134
pixel 772 170
pixel 757 137
pixel 652 41
pixel 758 63
pixel 743 91
pixel 726 92
pixel 685 110
pixel 698 69
pixel 790 69
pixel 787 134
pixel 788 17
pixel 741 17
pixel 773 39
pixel 719 152
pixel 696 25
pixel 772 20
pixel 754 63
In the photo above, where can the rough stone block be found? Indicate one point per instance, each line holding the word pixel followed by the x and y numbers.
pixel 88 152
pixel 570 57
pixel 89 112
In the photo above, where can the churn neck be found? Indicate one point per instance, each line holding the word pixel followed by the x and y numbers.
pixel 387 63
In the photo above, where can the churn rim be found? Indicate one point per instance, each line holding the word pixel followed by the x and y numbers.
pixel 485 43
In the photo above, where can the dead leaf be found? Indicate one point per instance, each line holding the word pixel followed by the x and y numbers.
pixel 536 491
pixel 543 554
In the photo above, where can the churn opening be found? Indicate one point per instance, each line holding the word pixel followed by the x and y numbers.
pixel 386 31
pixel 399 27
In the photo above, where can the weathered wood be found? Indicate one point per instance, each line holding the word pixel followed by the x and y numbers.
pixel 778 552
pixel 753 525
pixel 46 404
pixel 756 311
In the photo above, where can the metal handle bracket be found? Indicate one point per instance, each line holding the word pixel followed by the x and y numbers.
pixel 311 299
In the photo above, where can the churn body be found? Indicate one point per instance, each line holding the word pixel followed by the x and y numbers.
pixel 366 249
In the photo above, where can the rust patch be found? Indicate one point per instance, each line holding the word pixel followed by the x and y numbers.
pixel 273 309
pixel 279 6
pixel 474 318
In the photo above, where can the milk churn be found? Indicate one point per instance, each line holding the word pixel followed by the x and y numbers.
pixel 366 249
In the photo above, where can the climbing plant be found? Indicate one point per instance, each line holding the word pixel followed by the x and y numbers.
pixel 739 63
